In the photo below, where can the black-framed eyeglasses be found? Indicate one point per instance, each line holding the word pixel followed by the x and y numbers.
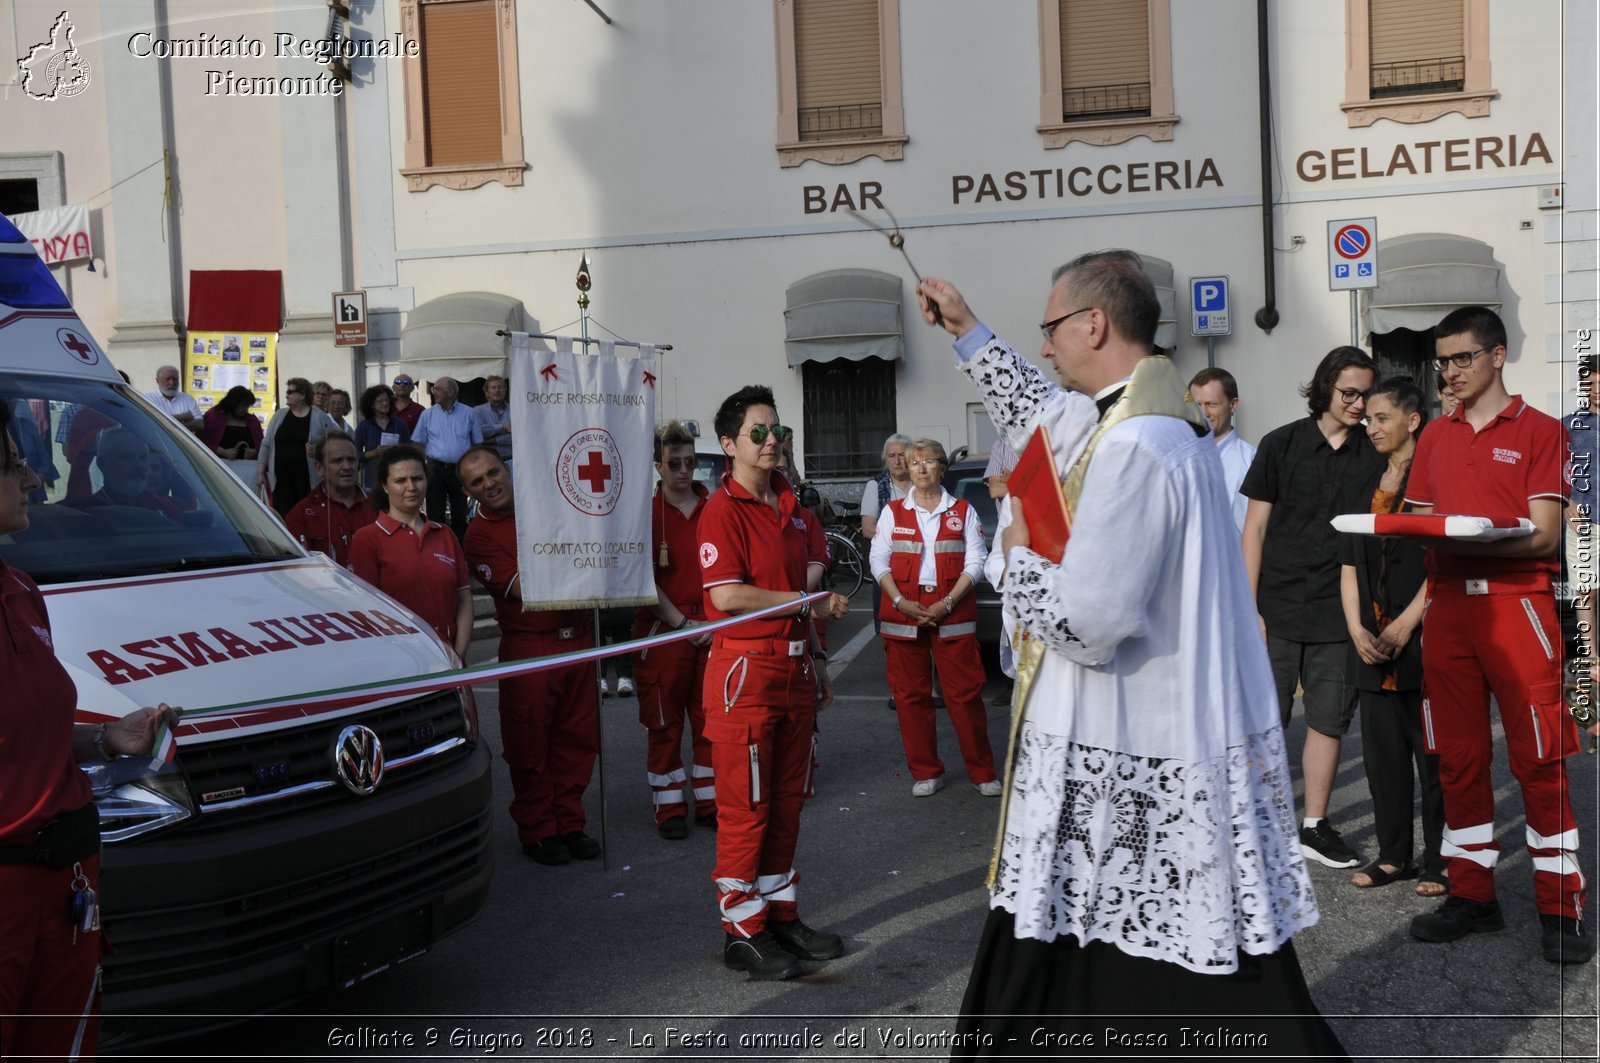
pixel 293 391
pixel 1349 396
pixel 1047 327
pixel 679 464
pixel 1460 361
pixel 759 432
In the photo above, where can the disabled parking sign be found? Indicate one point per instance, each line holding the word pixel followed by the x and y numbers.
pixel 1352 254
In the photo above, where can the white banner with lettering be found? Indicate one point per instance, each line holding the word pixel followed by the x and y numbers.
pixel 584 426
pixel 60 234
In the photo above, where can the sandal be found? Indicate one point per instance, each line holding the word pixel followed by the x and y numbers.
pixel 1377 876
pixel 1433 878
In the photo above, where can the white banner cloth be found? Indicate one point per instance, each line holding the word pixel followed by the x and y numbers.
pixel 60 234
pixel 584 426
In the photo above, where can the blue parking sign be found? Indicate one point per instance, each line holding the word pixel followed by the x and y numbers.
pixel 1208 300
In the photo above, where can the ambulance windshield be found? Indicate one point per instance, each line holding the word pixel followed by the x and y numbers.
pixel 127 491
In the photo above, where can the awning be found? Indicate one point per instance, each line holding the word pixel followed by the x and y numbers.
pixel 1424 276
pixel 454 335
pixel 1159 270
pixel 843 313
pixel 235 300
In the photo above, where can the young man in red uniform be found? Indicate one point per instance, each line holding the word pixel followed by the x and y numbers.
pixel 670 677
pixel 329 517
pixel 765 682
pixel 548 720
pixel 1492 628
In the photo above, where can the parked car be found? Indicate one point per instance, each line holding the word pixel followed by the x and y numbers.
pixel 964 479
pixel 285 851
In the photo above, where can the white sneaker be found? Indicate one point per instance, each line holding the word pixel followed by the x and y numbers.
pixel 991 788
pixel 624 687
pixel 605 689
pixel 927 787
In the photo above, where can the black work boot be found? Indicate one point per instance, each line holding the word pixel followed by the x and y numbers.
pixel 1456 918
pixel 800 940
pixel 1565 940
pixel 761 956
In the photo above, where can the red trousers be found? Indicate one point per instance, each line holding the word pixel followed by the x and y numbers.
pixel 961 675
pixel 669 680
pixel 43 970
pixel 760 706
pixel 549 726
pixel 1506 641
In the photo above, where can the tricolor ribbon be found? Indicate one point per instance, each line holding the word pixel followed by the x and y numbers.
pixel 165 748
pixel 361 693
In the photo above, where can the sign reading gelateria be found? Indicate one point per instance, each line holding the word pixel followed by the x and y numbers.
pixel 1423 157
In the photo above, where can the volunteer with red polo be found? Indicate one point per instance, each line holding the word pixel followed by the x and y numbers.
pixel 765 681
pixel 670 677
pixel 1492 627
pixel 328 518
pixel 549 719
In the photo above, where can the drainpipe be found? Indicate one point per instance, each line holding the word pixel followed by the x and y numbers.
pixel 174 186
pixel 1267 316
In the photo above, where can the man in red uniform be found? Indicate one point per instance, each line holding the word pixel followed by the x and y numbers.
pixel 1492 629
pixel 765 681
pixel 329 517
pixel 670 677
pixel 548 720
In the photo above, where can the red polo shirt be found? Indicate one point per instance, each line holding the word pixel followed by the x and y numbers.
pixel 679 580
pixel 39 780
pixel 744 540
pixel 322 524
pixel 491 545
pixel 1494 472
pixel 422 573
pixel 410 415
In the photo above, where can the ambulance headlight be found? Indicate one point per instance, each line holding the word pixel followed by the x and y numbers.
pixel 135 799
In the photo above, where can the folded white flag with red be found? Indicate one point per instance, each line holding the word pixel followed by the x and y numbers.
pixel 1433 526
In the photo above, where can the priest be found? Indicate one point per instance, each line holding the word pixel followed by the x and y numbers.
pixel 1148 865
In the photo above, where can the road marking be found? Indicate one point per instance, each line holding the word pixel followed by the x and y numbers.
pixel 838 662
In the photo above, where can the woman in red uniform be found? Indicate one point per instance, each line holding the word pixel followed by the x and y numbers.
pixel 764 683
pixel 927 555
pixel 409 557
pixel 49 828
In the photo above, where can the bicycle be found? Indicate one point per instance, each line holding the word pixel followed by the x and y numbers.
pixel 848 553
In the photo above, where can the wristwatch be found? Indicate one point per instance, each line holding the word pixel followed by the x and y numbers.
pixel 819 655
pixel 805 610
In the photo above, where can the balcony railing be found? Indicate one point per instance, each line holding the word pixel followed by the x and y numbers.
pixel 844 122
pixel 1417 77
pixel 1130 100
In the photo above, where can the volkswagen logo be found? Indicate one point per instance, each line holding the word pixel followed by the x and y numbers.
pixel 358 759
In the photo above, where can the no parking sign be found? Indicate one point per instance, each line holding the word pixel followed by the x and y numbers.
pixel 1352 254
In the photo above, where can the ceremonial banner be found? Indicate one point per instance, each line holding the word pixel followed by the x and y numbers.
pixel 584 426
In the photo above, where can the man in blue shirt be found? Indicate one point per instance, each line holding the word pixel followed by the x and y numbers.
pixel 494 417
pixel 445 432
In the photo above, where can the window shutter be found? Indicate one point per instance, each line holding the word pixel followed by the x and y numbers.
pixel 461 82
pixel 1404 31
pixel 1105 57
pixel 1104 42
pixel 838 68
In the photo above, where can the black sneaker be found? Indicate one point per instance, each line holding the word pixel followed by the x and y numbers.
pixel 761 956
pixel 1323 844
pixel 707 821
pixel 674 830
pixel 800 940
pixel 1565 940
pixel 1456 918
pixel 548 851
pixel 580 845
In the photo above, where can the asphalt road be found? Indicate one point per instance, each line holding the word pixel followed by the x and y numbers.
pixel 621 958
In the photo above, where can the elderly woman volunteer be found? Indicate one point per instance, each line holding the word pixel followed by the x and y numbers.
pixel 927 556
pixel 49 828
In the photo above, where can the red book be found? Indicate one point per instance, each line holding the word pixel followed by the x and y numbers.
pixel 1034 481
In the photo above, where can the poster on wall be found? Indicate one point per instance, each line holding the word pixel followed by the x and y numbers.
pixel 217 362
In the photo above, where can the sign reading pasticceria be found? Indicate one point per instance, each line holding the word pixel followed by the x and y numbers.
pixel 1422 157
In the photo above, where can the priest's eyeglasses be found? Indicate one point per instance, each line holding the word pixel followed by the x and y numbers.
pixel 1460 361
pixel 759 432
pixel 1047 327
pixel 679 464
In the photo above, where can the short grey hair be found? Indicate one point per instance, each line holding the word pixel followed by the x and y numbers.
pixel 898 437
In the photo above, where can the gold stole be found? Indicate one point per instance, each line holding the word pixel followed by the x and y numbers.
pixel 1155 389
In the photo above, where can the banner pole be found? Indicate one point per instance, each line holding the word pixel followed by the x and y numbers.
pixel 584 282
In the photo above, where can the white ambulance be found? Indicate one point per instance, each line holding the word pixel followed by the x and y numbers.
pixel 286 851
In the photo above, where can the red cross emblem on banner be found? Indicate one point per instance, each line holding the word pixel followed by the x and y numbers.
pixel 595 472
pixel 650 378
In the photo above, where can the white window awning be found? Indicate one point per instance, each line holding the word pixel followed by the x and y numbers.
pixel 843 313
pixel 1424 276
pixel 454 335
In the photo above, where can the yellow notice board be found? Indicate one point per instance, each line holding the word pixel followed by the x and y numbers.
pixel 215 362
